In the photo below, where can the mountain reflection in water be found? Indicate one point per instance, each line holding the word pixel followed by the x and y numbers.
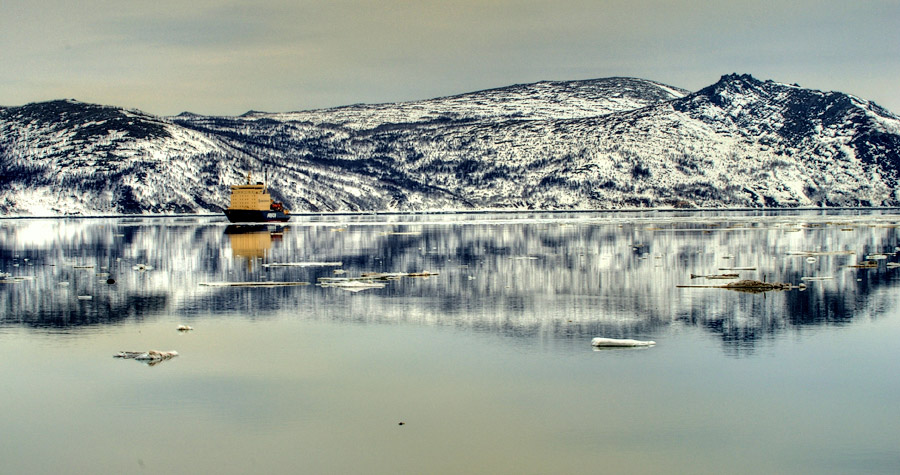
pixel 528 275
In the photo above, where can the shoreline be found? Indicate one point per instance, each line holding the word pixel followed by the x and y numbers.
pixel 465 212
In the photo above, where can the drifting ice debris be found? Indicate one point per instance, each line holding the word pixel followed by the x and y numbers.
pixel 757 286
pixel 865 265
pixel 151 357
pixel 146 355
pixel 715 276
pixel 353 285
pixel 369 280
pixel 304 264
pixel 380 276
pixel 252 284
pixel 185 328
pixel 752 286
pixel 619 343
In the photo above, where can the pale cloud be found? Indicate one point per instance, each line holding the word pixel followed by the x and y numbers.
pixel 227 57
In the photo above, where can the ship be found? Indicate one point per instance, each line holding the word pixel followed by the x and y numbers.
pixel 251 203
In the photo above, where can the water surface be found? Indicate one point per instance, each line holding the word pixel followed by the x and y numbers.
pixel 487 365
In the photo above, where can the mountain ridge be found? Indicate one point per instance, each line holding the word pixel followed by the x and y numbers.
pixel 589 144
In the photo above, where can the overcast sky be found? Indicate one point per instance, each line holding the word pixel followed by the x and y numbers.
pixel 225 57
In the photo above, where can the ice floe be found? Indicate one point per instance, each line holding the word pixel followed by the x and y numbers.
pixel 151 357
pixel 252 284
pixel 619 342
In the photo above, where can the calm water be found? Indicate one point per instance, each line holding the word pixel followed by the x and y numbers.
pixel 487 365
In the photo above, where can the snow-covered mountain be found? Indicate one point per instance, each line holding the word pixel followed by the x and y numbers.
pixel 605 143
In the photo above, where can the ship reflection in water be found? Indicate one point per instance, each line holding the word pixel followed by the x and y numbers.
pixel 253 242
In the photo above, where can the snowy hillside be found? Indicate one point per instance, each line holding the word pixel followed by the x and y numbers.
pixel 605 143
pixel 64 157
pixel 542 100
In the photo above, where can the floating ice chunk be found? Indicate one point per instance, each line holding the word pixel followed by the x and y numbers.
pixel 870 264
pixel 354 285
pixel 151 357
pixel 252 284
pixel 715 276
pixel 383 275
pixel 756 286
pixel 379 276
pixel 304 264
pixel 619 342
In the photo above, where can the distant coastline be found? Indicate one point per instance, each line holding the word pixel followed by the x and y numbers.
pixel 471 212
